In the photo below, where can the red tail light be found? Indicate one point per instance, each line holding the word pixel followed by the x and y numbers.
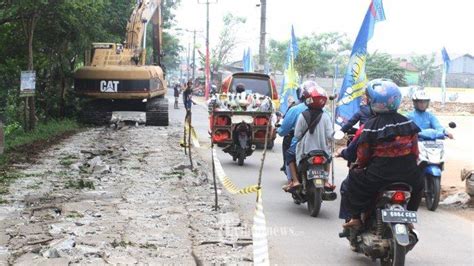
pixel 261 121
pixel 221 135
pixel 319 160
pixel 222 121
pixel 398 197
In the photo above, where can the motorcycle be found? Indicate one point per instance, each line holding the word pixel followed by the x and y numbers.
pixel 385 233
pixel 431 162
pixel 241 146
pixel 313 174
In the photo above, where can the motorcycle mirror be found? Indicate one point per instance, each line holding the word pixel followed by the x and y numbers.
pixel 338 135
pixel 332 97
pixel 278 125
pixel 452 125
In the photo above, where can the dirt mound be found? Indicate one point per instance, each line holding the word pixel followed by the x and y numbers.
pixel 437 108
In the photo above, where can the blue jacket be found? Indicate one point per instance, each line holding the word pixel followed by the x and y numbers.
pixel 428 123
pixel 291 116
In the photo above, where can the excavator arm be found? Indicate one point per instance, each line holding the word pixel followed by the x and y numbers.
pixel 136 26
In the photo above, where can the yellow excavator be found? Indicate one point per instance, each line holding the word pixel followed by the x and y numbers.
pixel 116 78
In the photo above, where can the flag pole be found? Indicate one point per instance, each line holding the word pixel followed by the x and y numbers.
pixel 333 107
pixel 443 85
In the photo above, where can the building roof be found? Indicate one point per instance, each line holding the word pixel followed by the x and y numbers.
pixel 408 66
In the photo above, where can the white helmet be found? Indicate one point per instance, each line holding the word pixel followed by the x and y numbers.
pixel 421 100
pixel 420 95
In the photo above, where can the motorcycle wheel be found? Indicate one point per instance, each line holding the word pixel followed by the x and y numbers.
pixel 397 255
pixel 240 159
pixel 314 196
pixel 432 192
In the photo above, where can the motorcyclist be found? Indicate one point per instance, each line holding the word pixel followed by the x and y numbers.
pixel 287 130
pixel 314 126
pixel 426 121
pixel 362 116
pixel 387 152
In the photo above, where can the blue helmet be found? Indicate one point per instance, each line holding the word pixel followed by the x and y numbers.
pixel 383 95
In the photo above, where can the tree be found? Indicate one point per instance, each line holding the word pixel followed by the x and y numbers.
pixel 425 66
pixel 276 55
pixel 384 66
pixel 227 41
pixel 317 53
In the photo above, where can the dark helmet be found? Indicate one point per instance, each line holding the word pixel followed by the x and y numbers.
pixel 240 88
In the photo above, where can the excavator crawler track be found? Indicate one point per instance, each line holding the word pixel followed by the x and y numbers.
pixel 157 112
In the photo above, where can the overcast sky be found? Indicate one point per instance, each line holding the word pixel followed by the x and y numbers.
pixel 411 26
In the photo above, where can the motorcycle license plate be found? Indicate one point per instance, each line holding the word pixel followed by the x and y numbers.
pixel 433 144
pixel 316 173
pixel 395 216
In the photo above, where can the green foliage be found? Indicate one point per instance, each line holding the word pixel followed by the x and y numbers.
pixel 63 31
pixel 227 41
pixel 317 53
pixel 384 66
pixel 425 65
pixel 43 131
pixel 80 184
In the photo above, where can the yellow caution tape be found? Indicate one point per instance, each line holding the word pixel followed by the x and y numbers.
pixel 227 182
pixel 194 137
pixel 259 227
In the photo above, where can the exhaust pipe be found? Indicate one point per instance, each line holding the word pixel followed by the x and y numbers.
pixel 253 147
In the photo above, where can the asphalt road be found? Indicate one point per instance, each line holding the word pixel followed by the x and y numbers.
pixel 297 238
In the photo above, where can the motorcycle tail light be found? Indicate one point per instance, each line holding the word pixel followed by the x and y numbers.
pixel 319 160
pixel 221 135
pixel 261 121
pixel 398 197
pixel 222 121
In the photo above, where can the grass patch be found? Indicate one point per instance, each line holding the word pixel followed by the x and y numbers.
pixel 42 132
pixel 74 214
pixel 121 244
pixel 80 184
pixel 6 177
pixel 148 246
pixel 68 160
pixel 20 144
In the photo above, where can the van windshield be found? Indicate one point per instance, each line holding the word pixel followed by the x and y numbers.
pixel 252 85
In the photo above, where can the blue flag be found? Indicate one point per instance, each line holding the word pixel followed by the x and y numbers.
pixel 290 81
pixel 446 58
pixel 249 61
pixel 244 61
pixel 355 77
pixel 446 64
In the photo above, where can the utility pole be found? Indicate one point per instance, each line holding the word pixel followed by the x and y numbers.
pixel 187 62
pixel 208 63
pixel 263 18
pixel 194 53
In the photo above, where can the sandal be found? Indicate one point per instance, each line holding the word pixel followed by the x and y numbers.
pixel 353 223
pixel 292 187
pixel 329 187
